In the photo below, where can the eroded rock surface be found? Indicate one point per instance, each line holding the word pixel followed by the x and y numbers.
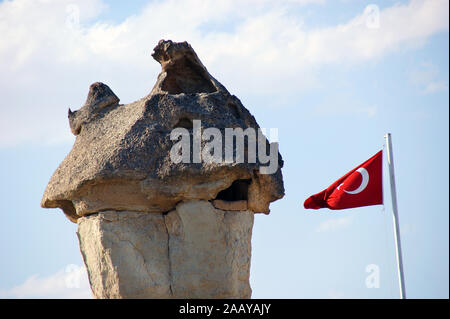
pixel 150 227
pixel 194 251
pixel 121 156
pixel 126 254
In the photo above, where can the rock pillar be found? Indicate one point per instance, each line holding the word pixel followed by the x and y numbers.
pixel 194 251
pixel 149 225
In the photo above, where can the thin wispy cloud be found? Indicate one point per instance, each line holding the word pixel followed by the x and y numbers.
pixel 71 283
pixel 334 223
pixel 333 109
pixel 52 50
pixel 337 294
pixel 427 77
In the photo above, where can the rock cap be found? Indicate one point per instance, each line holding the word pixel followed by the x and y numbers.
pixel 121 156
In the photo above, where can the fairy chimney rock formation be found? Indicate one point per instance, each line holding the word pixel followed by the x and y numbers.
pixel 150 226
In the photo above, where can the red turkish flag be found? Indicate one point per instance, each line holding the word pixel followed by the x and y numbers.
pixel 362 186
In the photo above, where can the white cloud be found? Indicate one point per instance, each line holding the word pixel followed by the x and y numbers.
pixel 333 109
pixel 337 294
pixel 434 87
pixel 426 77
pixel 69 283
pixel 335 223
pixel 48 59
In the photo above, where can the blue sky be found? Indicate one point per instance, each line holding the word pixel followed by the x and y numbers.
pixel 322 72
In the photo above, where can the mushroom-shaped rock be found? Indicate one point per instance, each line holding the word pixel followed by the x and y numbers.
pixel 121 156
pixel 159 217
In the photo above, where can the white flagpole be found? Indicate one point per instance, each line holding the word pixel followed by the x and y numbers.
pixel 390 158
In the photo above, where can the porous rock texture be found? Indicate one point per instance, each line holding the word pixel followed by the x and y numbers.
pixel 121 156
pixel 149 227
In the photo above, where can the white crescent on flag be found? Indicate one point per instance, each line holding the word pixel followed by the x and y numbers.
pixel 365 181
